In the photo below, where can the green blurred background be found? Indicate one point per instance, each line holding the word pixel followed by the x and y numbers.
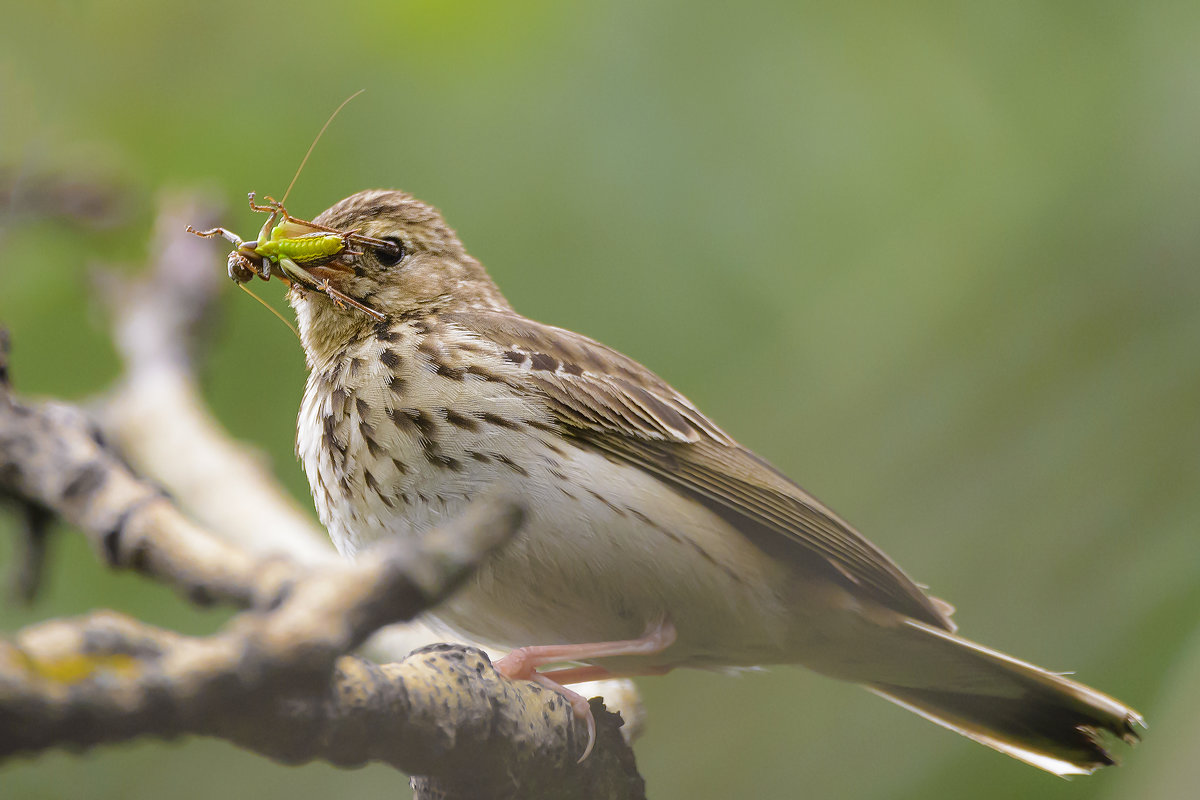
pixel 937 262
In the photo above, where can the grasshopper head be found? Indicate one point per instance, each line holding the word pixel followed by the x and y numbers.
pixel 241 267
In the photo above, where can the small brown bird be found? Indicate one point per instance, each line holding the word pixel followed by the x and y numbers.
pixel 653 540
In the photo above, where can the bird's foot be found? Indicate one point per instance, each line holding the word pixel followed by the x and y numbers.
pixel 522 664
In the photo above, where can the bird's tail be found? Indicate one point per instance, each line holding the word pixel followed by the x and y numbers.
pixel 1039 717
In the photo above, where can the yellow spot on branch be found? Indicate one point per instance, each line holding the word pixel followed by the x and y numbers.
pixel 76 667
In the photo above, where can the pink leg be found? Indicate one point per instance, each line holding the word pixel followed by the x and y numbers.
pixel 522 664
pixel 583 674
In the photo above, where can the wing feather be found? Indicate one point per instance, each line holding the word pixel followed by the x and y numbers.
pixel 613 404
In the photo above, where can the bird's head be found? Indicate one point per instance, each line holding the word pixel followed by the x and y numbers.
pixel 427 269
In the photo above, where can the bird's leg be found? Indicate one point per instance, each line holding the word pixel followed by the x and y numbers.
pixel 522 664
pixel 595 673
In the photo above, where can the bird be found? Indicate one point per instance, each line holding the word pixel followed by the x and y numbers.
pixel 652 540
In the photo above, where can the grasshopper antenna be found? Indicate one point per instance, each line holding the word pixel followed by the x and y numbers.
pixel 320 133
pixel 270 308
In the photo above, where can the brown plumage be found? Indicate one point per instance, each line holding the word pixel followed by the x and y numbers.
pixel 648 525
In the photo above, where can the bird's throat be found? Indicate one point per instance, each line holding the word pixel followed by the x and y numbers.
pixel 324 327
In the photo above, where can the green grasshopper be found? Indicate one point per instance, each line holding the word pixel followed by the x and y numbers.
pixel 291 247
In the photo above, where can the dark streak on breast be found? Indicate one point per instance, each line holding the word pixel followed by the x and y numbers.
pixel 423 422
pixel 499 421
pixel 328 429
pixel 367 431
pixel 373 446
pixel 447 371
pixel 384 333
pixel 460 421
pixel 620 512
pixel 480 372
pixel 446 462
pixel 508 462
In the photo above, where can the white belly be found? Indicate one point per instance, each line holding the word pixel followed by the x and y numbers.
pixel 599 567
pixel 606 550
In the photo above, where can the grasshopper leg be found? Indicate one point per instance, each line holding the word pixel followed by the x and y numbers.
pixel 222 232
pixel 271 205
pixel 342 300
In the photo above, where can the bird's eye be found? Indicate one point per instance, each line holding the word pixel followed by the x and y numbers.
pixel 390 256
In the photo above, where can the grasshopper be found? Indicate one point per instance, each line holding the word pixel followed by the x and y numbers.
pixel 293 248
pixel 297 250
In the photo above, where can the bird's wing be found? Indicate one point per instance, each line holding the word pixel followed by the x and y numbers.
pixel 610 402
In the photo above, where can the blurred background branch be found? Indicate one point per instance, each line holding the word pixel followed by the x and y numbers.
pixel 90 200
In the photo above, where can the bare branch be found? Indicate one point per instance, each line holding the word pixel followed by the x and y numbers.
pixel 29 566
pixel 50 456
pixel 136 678
pixel 443 712
pixel 94 200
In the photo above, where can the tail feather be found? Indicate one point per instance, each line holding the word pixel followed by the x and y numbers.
pixel 1029 713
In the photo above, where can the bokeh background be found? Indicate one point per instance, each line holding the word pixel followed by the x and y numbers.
pixel 936 261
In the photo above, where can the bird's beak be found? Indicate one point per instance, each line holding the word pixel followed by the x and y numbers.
pixel 330 270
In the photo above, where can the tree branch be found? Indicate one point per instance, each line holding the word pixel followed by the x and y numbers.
pixel 50 456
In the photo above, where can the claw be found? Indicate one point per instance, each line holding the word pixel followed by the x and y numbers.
pixel 579 706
